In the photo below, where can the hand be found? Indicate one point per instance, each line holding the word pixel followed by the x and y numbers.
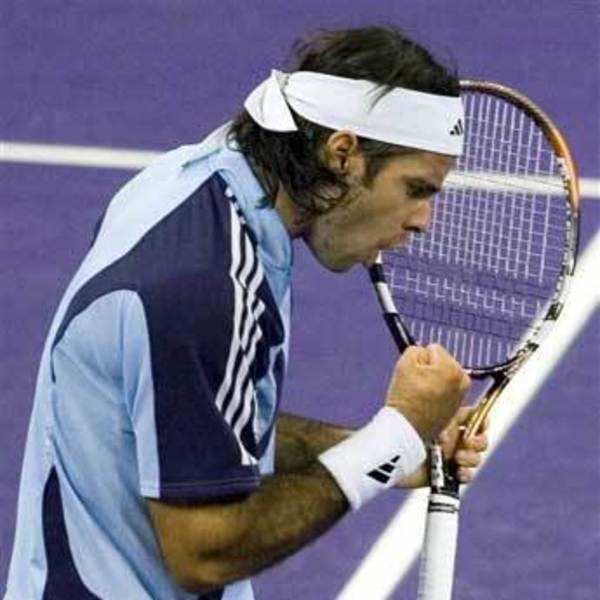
pixel 427 387
pixel 466 454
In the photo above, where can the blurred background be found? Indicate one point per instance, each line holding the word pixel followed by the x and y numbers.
pixel 154 74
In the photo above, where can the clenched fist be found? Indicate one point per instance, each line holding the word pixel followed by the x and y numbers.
pixel 427 387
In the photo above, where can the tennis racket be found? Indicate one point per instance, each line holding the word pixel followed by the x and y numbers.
pixel 489 278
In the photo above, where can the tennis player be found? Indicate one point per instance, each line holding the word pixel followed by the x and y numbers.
pixel 158 464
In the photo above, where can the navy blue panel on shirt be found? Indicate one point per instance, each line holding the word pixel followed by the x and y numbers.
pixel 63 580
pixel 180 270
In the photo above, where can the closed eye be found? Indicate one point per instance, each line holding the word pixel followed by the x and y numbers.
pixel 420 189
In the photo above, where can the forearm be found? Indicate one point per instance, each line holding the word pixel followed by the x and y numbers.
pixel 287 512
pixel 300 440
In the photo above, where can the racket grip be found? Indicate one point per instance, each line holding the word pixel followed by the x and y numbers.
pixel 436 571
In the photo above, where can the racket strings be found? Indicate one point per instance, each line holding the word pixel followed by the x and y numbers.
pixel 494 252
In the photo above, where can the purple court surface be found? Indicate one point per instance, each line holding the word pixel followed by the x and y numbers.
pixel 153 74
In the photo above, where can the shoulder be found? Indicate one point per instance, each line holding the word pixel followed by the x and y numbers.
pixel 176 265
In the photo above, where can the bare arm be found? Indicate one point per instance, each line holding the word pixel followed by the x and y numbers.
pixel 300 440
pixel 207 546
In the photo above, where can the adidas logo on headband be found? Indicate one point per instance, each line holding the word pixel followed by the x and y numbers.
pixel 458 128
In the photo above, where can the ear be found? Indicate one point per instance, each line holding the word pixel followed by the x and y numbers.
pixel 341 151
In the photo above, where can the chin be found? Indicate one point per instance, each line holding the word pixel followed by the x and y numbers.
pixel 336 265
pixel 340 268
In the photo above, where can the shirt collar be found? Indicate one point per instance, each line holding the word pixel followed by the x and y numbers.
pixel 270 232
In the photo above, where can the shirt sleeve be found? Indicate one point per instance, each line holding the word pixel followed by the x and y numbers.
pixel 187 390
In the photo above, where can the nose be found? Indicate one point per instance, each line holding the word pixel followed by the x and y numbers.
pixel 420 217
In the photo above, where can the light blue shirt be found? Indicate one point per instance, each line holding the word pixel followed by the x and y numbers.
pixel 160 378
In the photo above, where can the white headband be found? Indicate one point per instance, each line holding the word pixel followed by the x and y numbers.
pixel 402 117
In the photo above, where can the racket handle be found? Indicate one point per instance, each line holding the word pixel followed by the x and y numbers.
pixel 436 571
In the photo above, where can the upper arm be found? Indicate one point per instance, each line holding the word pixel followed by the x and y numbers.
pixel 197 567
pixel 190 461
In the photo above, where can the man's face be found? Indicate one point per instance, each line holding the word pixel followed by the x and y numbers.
pixel 379 216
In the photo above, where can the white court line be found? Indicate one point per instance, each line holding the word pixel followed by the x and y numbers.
pixel 76 156
pixel 131 159
pixel 393 554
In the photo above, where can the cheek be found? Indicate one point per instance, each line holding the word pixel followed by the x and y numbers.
pixel 358 226
pixel 392 218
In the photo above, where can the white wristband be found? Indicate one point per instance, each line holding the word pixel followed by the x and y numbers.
pixel 376 457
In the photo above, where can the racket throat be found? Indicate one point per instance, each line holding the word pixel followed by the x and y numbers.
pixel 399 332
pixel 442 475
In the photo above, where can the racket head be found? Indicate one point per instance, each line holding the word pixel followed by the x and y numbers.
pixel 490 276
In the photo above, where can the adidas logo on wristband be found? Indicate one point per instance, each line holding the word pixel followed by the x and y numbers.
pixel 383 473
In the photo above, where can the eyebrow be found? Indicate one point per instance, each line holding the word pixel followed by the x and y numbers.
pixel 423 184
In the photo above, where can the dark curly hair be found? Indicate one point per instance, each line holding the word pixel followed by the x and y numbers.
pixel 383 55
